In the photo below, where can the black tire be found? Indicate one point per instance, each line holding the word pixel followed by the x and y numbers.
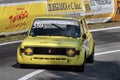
pixel 90 59
pixel 81 67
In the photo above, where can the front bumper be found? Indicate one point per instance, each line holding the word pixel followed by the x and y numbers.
pixel 50 59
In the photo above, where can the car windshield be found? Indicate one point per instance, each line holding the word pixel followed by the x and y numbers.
pixel 52 27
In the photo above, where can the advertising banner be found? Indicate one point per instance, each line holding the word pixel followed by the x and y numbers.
pixel 101 11
pixel 95 11
pixel 19 17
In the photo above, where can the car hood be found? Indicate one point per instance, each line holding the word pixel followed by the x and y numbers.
pixel 52 42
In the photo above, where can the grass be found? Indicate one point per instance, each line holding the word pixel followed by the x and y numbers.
pixel 91 26
pixel 12 37
pixel 104 25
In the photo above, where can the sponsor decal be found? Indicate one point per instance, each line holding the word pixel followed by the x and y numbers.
pixel 39 23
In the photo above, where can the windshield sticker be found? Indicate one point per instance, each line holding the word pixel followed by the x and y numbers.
pixel 38 23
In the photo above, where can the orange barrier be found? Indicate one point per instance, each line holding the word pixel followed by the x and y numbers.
pixel 116 16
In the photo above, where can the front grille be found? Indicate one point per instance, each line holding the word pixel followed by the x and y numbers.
pixel 49 58
pixel 49 51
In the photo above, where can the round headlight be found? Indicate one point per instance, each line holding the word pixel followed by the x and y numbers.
pixel 71 52
pixel 28 51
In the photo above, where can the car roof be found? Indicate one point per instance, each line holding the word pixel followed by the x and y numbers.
pixel 60 17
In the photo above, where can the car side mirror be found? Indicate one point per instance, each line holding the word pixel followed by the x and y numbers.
pixel 26 33
pixel 84 36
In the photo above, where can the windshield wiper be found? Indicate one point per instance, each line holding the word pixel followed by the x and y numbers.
pixel 57 26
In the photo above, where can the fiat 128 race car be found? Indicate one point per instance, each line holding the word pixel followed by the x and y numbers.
pixel 56 40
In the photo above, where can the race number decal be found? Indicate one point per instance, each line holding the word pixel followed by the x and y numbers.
pixel 38 24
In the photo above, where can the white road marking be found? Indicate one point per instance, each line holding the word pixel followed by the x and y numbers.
pixel 107 52
pixel 31 75
pixel 104 29
pixel 2 44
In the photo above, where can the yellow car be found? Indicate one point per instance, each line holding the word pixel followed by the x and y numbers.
pixel 56 40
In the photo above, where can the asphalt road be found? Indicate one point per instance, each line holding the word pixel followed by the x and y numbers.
pixel 105 67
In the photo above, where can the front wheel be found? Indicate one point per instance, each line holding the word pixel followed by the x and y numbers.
pixel 81 67
pixel 90 59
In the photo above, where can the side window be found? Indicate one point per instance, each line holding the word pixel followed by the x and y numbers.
pixel 81 27
pixel 84 26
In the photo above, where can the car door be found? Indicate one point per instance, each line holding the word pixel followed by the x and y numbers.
pixel 88 43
